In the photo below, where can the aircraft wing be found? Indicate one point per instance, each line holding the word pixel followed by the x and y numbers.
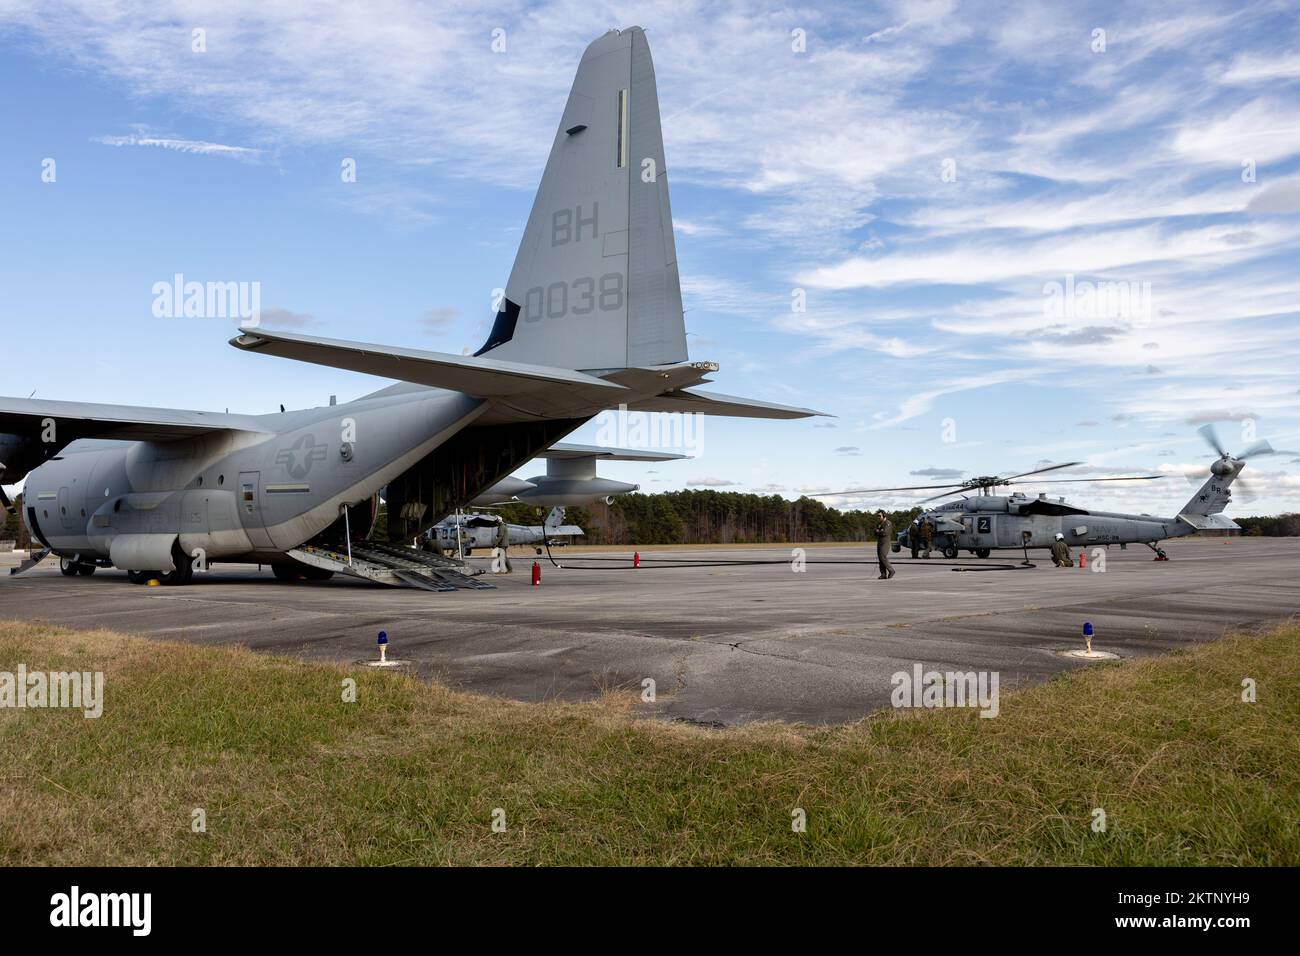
pixel 72 420
pixel 481 377
pixel 563 451
pixel 711 403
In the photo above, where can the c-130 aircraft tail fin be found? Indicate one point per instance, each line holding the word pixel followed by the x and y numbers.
pixel 595 285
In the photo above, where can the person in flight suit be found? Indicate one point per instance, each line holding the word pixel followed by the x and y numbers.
pixel 1061 553
pixel 927 535
pixel 884 537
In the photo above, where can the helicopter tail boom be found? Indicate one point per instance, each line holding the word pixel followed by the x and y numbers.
pixel 1213 496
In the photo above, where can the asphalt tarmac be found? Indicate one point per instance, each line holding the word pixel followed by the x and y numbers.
pixel 724 642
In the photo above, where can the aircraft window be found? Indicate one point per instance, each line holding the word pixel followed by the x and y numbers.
pixel 622 128
pixel 221 479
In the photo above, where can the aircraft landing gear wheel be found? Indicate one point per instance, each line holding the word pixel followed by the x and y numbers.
pixel 86 570
pixel 287 572
pixel 139 577
pixel 300 572
pixel 982 552
pixel 950 552
pixel 68 567
pixel 182 574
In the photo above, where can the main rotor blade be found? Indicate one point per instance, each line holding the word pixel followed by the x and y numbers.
pixel 1211 437
pixel 1259 448
pixel 866 491
pixel 1057 481
pixel 946 494
pixel 1248 490
pixel 1039 471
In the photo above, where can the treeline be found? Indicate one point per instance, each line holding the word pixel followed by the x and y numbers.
pixel 713 517
pixel 12 527
pixel 1273 526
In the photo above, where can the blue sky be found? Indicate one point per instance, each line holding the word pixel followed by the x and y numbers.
pixel 924 171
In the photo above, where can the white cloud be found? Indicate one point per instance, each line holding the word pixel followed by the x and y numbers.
pixel 196 146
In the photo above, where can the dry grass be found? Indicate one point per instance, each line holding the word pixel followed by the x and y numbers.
pixel 410 774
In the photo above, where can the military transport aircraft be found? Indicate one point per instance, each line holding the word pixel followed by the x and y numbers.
pixel 983 522
pixel 591 320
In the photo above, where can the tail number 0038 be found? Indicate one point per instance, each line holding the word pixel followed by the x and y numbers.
pixel 582 296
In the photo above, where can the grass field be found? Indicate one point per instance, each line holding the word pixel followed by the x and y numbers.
pixel 288 773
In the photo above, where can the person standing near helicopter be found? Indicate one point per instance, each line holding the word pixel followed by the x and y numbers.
pixel 884 537
pixel 927 534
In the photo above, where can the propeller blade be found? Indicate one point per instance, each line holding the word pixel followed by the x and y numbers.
pixel 1247 489
pixel 1259 448
pixel 1039 471
pixel 1211 438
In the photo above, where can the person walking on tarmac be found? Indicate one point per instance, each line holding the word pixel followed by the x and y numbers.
pixel 927 535
pixel 1061 552
pixel 884 538
pixel 503 542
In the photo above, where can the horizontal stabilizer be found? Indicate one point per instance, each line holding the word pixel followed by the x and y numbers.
pixel 1214 522
pixel 711 403
pixel 565 452
pixel 481 377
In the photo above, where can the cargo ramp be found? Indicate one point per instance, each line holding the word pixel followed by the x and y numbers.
pixel 394 566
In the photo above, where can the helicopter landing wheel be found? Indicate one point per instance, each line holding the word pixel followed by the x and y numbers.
pixel 983 552
pixel 950 552
pixel 68 567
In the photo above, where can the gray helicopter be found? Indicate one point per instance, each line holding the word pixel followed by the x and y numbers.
pixel 983 522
